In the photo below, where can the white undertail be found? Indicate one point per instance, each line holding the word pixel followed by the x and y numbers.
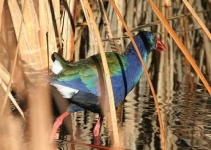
pixel 66 92
pixel 57 67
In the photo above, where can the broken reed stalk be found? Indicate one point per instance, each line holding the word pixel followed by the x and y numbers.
pixel 113 44
pixel 4 78
pixel 112 116
pixel 14 63
pixel 4 74
pixel 197 18
pixel 12 99
pixel 146 73
pixel 180 45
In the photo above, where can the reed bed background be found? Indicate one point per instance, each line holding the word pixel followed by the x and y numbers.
pixel 31 30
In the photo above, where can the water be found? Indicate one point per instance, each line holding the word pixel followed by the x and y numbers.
pixel 190 121
pixel 186 115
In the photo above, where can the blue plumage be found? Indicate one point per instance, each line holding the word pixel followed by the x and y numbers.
pixel 79 82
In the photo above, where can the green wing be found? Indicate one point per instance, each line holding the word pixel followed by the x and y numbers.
pixel 83 75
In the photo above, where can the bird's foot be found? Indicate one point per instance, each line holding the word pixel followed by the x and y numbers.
pixel 57 124
pixel 96 140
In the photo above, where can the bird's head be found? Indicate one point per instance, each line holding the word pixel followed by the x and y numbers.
pixel 146 42
pixel 151 42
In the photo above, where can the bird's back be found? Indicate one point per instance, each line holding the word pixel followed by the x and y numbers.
pixel 84 75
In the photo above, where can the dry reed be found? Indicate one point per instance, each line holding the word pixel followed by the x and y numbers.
pixel 26 46
pixel 180 44
pixel 146 72
pixel 112 113
pixel 198 19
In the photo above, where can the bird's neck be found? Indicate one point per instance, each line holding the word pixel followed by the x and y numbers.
pixel 131 53
pixel 134 68
pixel 132 56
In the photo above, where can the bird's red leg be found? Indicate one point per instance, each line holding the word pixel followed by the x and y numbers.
pixel 57 124
pixel 96 132
pixel 97 128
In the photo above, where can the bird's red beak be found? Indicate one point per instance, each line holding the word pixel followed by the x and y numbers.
pixel 159 45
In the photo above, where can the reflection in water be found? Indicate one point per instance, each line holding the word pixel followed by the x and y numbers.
pixel 186 116
pixel 191 117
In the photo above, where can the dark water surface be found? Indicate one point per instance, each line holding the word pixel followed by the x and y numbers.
pixel 186 114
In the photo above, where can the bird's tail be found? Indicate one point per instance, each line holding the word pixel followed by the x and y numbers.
pixel 58 63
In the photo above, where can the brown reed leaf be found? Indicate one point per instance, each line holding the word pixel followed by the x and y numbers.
pixel 73 10
pixel 43 23
pixel 1 9
pixel 112 113
pixel 15 9
pixel 90 26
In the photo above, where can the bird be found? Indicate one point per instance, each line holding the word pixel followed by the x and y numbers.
pixel 82 82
